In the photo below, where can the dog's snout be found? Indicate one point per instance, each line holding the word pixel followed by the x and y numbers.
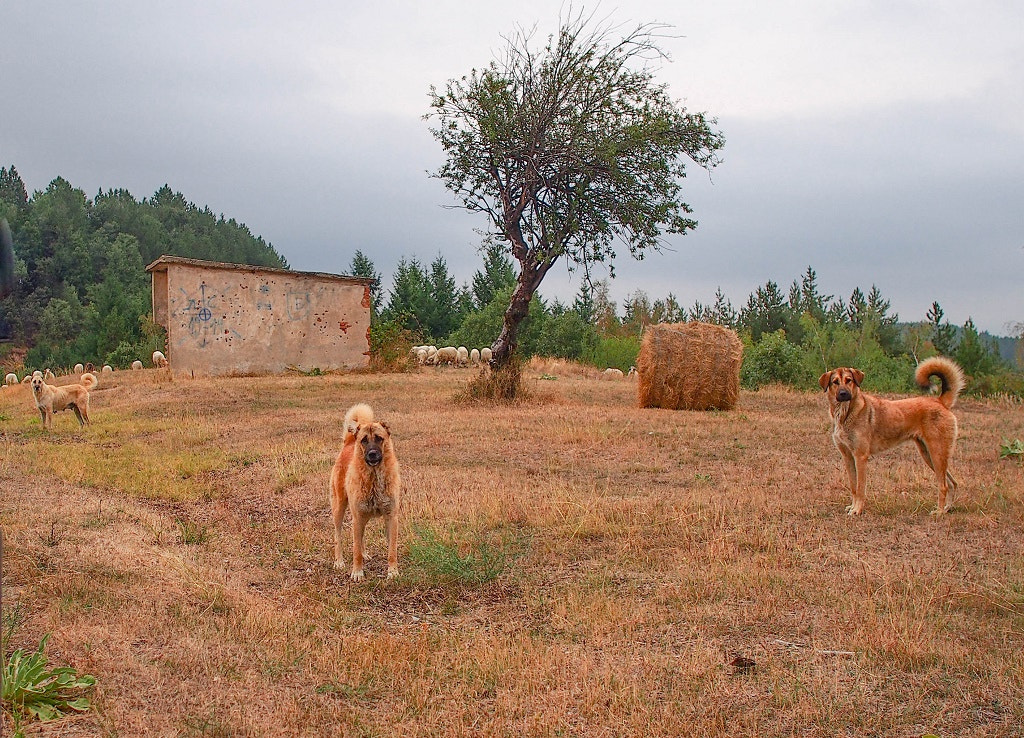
pixel 373 456
pixel 843 395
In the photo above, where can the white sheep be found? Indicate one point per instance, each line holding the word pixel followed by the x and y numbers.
pixel 107 369
pixel 612 373
pixel 485 355
pixel 159 359
pixel 79 368
pixel 463 359
pixel 11 378
pixel 421 355
pixel 474 357
pixel 48 375
pixel 136 365
pixel 431 355
pixel 447 355
pixel 37 373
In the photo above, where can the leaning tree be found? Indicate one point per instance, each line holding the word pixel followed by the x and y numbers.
pixel 570 150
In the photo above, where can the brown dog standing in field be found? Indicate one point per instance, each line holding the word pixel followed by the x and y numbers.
pixel 863 425
pixel 365 481
pixel 50 399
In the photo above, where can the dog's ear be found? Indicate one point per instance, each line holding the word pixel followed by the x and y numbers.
pixel 858 376
pixel 824 379
pixel 385 426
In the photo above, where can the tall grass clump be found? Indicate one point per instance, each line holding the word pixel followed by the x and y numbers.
pixel 496 385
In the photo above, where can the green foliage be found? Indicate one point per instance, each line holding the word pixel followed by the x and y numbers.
pixel 617 352
pixel 498 274
pixel 1012 449
pixel 943 335
pixel 362 266
pixel 390 344
pixel 82 291
pixel 32 690
pixel 772 360
pixel 975 356
pixel 443 558
pixel 567 336
pixel 191 533
pixel 482 327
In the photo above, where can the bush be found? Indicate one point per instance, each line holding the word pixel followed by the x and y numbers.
pixel 390 346
pixel 1003 382
pixel 773 360
pixel 617 352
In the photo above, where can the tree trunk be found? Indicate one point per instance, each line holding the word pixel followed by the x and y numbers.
pixel 518 308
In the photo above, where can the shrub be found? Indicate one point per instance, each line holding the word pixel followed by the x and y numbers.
pixel 773 359
pixel 390 344
pixel 617 352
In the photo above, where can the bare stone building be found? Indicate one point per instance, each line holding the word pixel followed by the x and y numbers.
pixel 238 319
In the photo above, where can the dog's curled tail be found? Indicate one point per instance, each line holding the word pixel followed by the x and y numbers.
pixel 90 380
pixel 357 415
pixel 948 372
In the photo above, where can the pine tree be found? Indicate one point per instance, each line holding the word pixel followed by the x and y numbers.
pixel 361 266
pixel 943 334
pixel 498 273
pixel 407 303
pixel 973 356
pixel 766 311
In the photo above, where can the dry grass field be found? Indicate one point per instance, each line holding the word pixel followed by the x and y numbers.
pixel 571 566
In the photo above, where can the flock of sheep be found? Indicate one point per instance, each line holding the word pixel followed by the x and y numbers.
pixel 450 355
pixel 159 360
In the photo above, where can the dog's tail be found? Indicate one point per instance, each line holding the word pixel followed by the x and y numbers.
pixel 357 415
pixel 948 372
pixel 90 380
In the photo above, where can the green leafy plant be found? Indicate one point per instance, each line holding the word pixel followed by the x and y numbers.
pixel 441 558
pixel 31 689
pixel 1012 449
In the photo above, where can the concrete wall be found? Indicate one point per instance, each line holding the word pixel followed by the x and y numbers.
pixel 248 320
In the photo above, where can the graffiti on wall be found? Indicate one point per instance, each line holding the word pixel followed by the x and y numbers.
pixel 203 323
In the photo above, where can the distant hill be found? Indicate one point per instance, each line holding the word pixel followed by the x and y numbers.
pixel 82 292
pixel 1007 348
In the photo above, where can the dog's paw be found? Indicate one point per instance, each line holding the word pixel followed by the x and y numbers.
pixel 941 510
pixel 853 509
pixel 392 572
pixel 339 564
pixel 356 576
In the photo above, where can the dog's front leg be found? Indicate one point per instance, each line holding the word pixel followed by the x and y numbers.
pixel 391 523
pixel 858 484
pixel 358 527
pixel 851 478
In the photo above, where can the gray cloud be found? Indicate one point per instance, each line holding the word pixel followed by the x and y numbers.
pixel 881 146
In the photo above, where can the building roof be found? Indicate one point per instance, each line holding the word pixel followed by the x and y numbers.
pixel 161 265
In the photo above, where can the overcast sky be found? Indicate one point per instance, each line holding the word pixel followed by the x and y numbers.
pixel 881 143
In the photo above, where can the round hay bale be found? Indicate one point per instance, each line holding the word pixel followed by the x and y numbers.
pixel 689 366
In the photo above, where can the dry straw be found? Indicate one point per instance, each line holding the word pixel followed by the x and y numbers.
pixel 689 366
